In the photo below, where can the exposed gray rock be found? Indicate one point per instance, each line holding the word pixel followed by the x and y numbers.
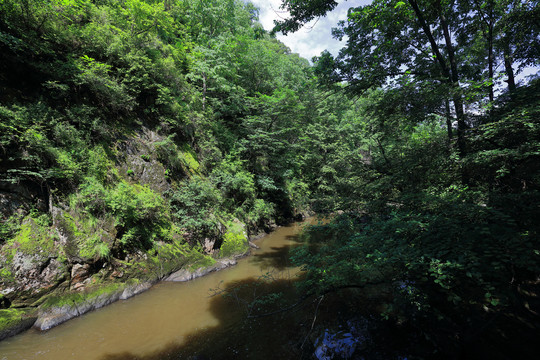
pixel 35 273
pixel 52 273
pixel 186 275
pixel 150 173
pixel 25 264
pixel 140 163
pixel 134 290
pixel 79 273
pixel 208 246
pixel 253 245
pixel 33 268
pixel 15 198
pixel 53 316
pixel 56 316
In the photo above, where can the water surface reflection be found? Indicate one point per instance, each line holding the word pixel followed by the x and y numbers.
pixel 172 317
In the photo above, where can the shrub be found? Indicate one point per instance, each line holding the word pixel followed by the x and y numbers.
pixel 139 213
pixel 195 206
pixel 234 241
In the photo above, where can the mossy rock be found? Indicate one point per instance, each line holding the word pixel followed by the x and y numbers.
pixel 189 159
pixel 203 262
pixel 235 240
pixel 33 238
pixel 58 309
pixel 86 238
pixel 14 321
pixel 74 298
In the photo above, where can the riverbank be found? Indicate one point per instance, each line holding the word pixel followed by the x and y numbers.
pixel 56 309
pixel 169 312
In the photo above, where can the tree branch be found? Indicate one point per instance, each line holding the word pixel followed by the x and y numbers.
pixel 307 296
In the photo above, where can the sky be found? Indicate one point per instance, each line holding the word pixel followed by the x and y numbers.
pixel 316 36
pixel 313 38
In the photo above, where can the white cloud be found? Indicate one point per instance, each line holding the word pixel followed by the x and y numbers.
pixel 316 36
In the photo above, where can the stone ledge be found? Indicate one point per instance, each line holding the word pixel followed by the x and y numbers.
pixel 51 317
pixel 186 275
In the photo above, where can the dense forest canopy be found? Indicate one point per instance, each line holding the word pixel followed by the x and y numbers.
pixel 158 127
pixel 450 216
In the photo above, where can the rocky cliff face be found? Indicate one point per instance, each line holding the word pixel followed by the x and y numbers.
pixel 56 246
pixel 30 264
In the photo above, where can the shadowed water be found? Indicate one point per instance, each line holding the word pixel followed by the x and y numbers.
pixel 175 320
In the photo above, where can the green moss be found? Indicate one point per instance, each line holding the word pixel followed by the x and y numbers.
pixel 10 318
pixel 33 238
pixel 89 237
pixel 164 258
pixel 6 274
pixel 73 298
pixel 203 261
pixel 189 158
pixel 69 224
pixel 233 244
pixel 61 300
pixel 167 257
pixel 235 227
pixel 234 241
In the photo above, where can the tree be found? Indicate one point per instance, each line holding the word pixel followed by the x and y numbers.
pixel 392 43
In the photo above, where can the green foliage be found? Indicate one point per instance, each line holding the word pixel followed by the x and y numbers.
pixel 33 237
pixel 449 238
pixel 450 251
pixel 76 298
pixel 140 215
pixel 504 153
pixel 246 130
pixel 195 206
pixel 234 241
pixel 9 227
pixel 221 94
pixel 96 76
pixel 239 191
pixel 138 211
pixel 10 318
pixel 237 184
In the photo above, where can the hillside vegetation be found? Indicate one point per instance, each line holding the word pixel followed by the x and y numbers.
pixel 138 137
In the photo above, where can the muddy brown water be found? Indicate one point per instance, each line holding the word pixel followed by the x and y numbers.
pixel 181 320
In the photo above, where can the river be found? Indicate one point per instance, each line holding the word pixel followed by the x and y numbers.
pixel 182 320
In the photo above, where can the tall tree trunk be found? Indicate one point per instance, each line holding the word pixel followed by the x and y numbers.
pixel 490 59
pixel 509 69
pixel 448 119
pixel 456 96
pixel 450 74
pixel 489 22
pixel 434 46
